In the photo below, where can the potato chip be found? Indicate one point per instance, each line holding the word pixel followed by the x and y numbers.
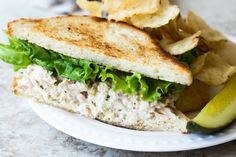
pixel 203 46
pixel 182 27
pixel 127 8
pixel 195 23
pixel 171 31
pixel 164 14
pixel 183 45
pixel 197 66
pixel 194 97
pixel 215 70
pixel 112 6
pixel 93 7
pixel 226 49
pixel 165 42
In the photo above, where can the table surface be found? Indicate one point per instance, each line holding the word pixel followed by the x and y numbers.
pixel 24 134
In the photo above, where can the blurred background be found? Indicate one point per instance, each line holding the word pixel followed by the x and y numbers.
pixel 220 14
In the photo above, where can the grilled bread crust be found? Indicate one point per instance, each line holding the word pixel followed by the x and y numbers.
pixel 118 45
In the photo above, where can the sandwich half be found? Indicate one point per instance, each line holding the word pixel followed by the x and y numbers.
pixel 109 71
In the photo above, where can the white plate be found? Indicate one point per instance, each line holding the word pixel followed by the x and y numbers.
pixel 110 136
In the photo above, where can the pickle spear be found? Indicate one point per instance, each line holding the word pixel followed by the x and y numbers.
pixel 218 113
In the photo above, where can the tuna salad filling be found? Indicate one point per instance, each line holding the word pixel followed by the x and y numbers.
pixel 98 100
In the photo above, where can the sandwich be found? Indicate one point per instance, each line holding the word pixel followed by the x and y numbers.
pixel 141 67
pixel 105 70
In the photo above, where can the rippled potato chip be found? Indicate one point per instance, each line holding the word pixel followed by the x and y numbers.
pixel 184 45
pixel 195 23
pixel 164 14
pixel 122 9
pixel 194 97
pixel 93 7
pixel 212 69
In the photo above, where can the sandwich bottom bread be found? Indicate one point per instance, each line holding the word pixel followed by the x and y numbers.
pixel 99 101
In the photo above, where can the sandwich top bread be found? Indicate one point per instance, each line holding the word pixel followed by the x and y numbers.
pixel 118 45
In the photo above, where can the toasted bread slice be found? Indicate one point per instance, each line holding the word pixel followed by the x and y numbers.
pixel 98 101
pixel 118 45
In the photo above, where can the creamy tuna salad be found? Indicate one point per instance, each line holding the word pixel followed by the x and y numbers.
pixel 97 100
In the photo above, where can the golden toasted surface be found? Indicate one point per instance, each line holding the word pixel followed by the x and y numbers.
pixel 119 45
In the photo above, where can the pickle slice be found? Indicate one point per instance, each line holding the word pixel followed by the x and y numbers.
pixel 218 113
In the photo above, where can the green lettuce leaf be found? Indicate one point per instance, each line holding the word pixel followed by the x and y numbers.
pixel 21 53
pixel 18 58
